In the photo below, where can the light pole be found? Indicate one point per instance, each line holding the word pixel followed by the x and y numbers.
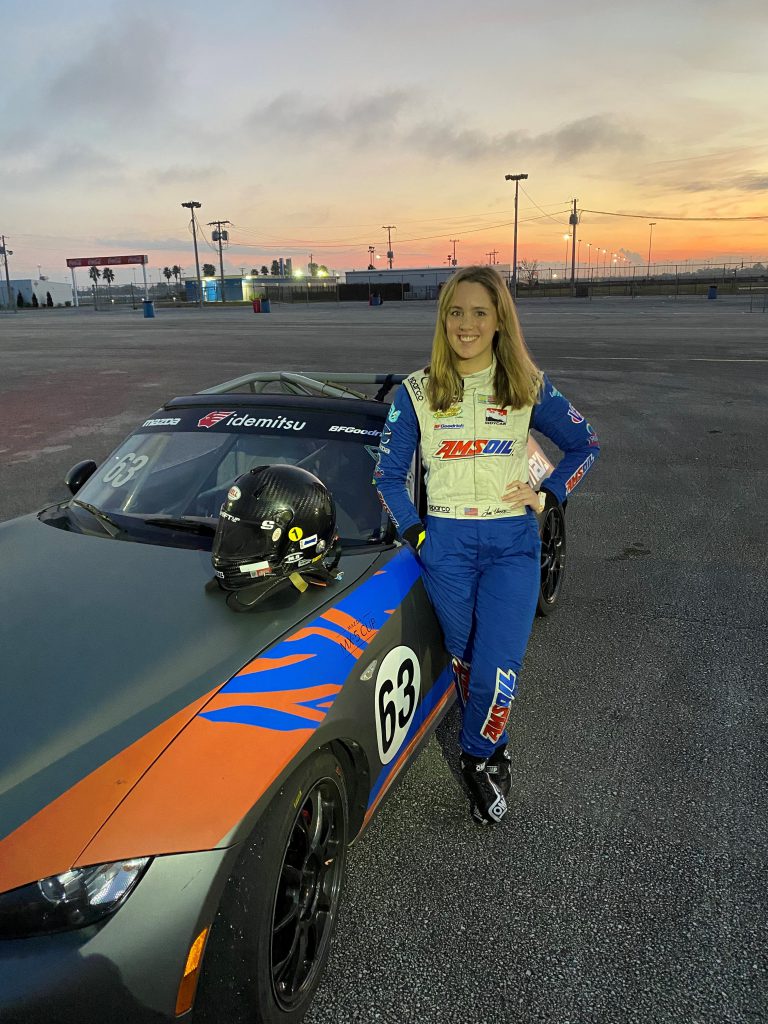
pixel 589 259
pixel 566 239
pixel 453 258
pixel 651 225
pixel 192 206
pixel 517 178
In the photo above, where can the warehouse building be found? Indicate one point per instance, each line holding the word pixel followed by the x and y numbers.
pixel 36 292
pixel 411 282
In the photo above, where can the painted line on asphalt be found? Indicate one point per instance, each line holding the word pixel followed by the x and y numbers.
pixel 660 359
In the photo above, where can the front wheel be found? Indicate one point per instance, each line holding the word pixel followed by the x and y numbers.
pixel 553 547
pixel 271 937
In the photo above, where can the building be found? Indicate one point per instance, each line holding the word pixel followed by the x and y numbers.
pixel 36 292
pixel 251 286
pixel 414 282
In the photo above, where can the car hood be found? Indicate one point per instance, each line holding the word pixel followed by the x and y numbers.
pixel 108 646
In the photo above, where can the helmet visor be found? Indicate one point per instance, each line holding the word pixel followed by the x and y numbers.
pixel 241 541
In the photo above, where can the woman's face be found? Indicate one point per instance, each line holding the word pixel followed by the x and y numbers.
pixel 470 325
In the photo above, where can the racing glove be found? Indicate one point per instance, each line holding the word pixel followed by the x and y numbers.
pixel 415 535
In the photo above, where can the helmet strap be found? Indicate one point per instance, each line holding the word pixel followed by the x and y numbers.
pixel 298 582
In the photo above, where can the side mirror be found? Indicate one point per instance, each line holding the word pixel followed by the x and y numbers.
pixel 78 475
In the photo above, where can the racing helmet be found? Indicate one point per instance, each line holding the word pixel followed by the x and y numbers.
pixel 276 520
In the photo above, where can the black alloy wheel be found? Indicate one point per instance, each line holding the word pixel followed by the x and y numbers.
pixel 307 894
pixel 553 549
pixel 271 937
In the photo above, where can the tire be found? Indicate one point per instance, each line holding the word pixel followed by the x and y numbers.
pixel 271 937
pixel 553 550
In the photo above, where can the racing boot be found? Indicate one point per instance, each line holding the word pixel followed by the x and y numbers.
pixel 500 769
pixel 487 803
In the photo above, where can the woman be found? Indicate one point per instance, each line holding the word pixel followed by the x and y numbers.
pixel 470 411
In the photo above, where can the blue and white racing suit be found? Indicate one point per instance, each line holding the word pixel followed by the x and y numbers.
pixel 481 559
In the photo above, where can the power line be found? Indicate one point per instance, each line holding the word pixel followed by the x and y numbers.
pixel 537 206
pixel 658 216
pixel 417 238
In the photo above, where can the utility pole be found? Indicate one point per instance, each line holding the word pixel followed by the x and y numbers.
pixel 5 253
pixel 573 220
pixel 454 241
pixel 192 206
pixel 218 236
pixel 517 178
pixel 651 225
pixel 389 228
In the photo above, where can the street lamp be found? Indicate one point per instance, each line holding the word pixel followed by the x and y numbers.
pixel 566 239
pixel 589 258
pixel 651 225
pixel 517 178
pixel 192 206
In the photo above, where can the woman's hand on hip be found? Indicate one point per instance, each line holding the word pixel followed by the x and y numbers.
pixel 519 494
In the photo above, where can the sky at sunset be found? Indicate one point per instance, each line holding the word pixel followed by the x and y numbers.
pixel 310 125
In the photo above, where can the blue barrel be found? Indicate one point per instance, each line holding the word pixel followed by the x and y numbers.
pixel 149 308
pixel 712 291
pixel 265 306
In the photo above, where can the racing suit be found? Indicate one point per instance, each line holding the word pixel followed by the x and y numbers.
pixel 481 559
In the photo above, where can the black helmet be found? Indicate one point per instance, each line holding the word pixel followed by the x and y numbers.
pixel 277 520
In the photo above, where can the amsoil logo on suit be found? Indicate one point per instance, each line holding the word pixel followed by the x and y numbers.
pixel 504 694
pixel 471 449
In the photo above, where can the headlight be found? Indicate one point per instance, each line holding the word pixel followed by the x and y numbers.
pixel 73 899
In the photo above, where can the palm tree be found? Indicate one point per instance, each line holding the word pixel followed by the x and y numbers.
pixel 168 274
pixel 176 271
pixel 94 273
pixel 109 276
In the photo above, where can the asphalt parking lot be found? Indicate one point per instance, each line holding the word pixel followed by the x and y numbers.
pixel 628 884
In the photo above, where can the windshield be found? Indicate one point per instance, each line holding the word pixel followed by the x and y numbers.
pixel 183 465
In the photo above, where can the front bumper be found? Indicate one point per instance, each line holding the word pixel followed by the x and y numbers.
pixel 126 970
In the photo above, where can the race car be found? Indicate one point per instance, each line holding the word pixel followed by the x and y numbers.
pixel 179 784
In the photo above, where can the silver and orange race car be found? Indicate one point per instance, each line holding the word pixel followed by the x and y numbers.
pixel 179 784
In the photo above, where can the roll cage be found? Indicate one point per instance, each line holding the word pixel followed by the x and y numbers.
pixel 330 385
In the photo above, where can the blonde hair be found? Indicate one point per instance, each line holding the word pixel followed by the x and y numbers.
pixel 517 380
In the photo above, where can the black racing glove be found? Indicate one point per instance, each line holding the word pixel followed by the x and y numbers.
pixel 415 535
